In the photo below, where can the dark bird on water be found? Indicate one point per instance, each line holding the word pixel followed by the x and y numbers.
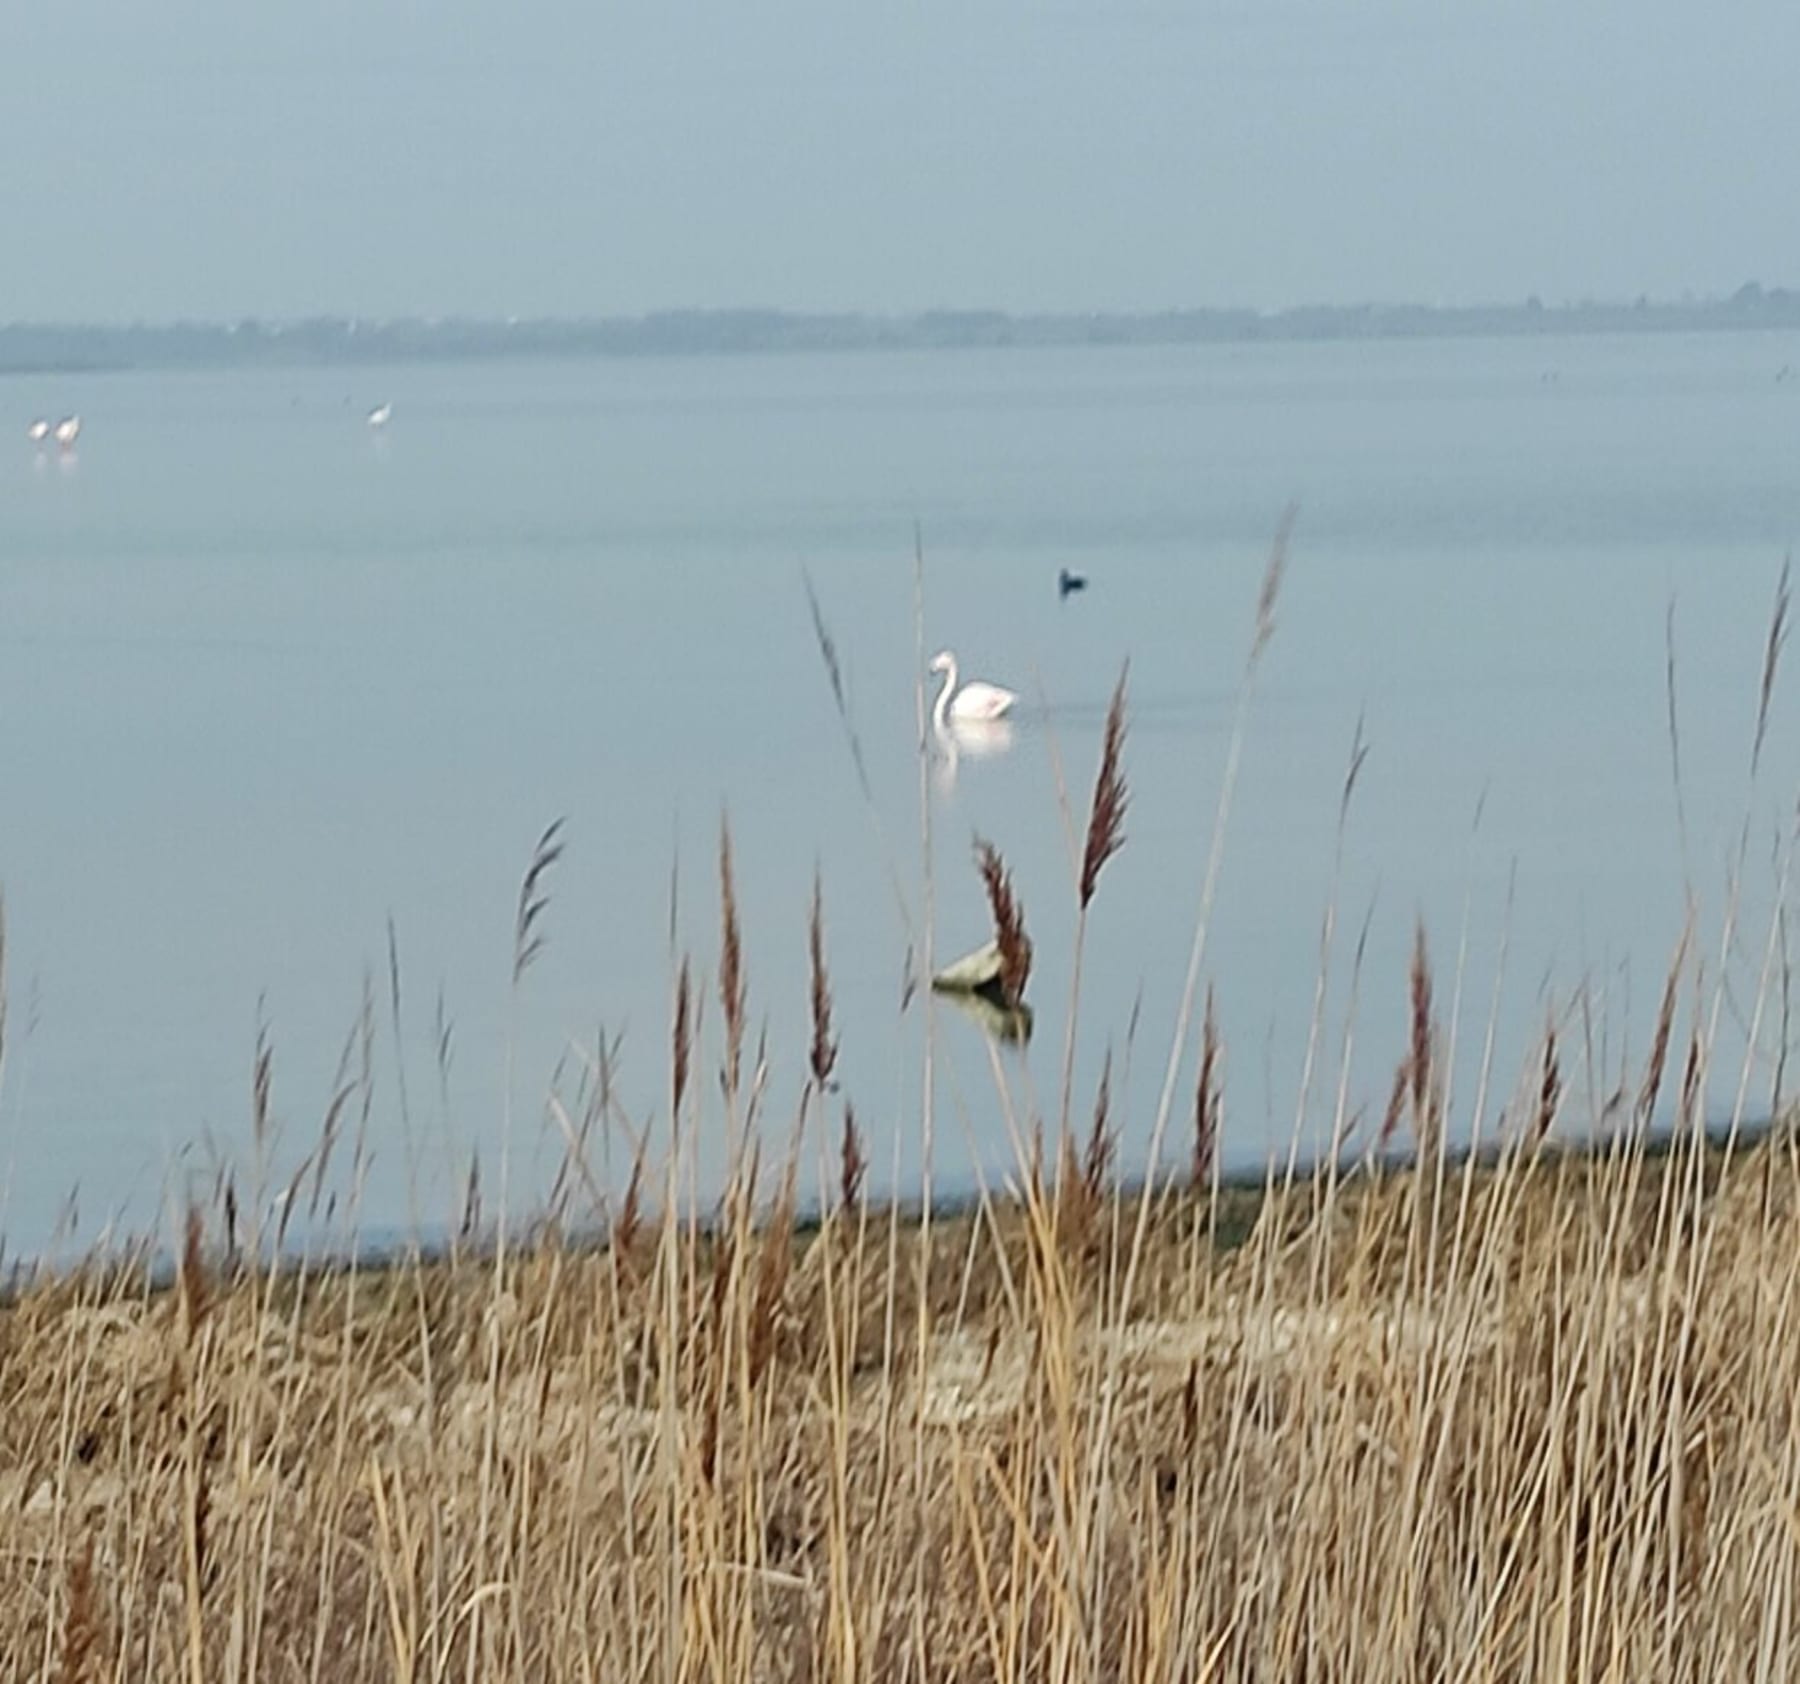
pixel 1068 583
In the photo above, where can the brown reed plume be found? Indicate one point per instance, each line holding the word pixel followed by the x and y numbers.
pixel 343 1091
pixel 1396 1105
pixel 1101 1151
pixel 1550 1086
pixel 81 1620
pixel 1270 593
pixel 853 1163
pixel 443 1046
pixel 190 1278
pixel 1084 1176
pixel 231 1224
pixel 731 962
pixel 1651 1087
pixel 1421 1075
pixel 262 1076
pixel 1209 1099
pixel 628 1224
pixel 1105 836
pixel 527 942
pixel 1778 630
pixel 824 1047
pixel 681 1042
pixel 1692 1073
pixel 1009 924
pixel 1106 819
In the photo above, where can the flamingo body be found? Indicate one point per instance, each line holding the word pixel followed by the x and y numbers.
pixel 979 701
pixel 976 702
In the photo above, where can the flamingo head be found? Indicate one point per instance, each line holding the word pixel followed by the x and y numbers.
pixel 943 661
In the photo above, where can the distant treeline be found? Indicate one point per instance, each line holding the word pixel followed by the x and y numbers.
pixel 335 340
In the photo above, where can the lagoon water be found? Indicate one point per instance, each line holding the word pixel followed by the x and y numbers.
pixel 268 679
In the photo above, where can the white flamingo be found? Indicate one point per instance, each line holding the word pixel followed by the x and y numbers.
pixel 68 430
pixel 38 431
pixel 976 701
pixel 381 414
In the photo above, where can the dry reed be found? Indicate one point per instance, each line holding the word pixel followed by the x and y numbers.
pixel 823 1057
pixel 681 1040
pixel 1772 648
pixel 1209 1105
pixel 1321 1461
pixel 1009 923
pixel 1106 817
pixel 731 964
pixel 853 1163
pixel 81 1635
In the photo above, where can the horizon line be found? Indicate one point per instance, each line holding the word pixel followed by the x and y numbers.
pixel 1750 292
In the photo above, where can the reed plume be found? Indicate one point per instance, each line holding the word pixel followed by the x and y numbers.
pixel 1101 1151
pixel 1550 1086
pixel 1270 593
pixel 1691 1078
pixel 1777 640
pixel 629 1223
pixel 1105 837
pixel 190 1278
pixel 1209 1105
pixel 680 1042
pixel 1657 1063
pixel 824 1047
pixel 1009 924
pixel 853 1163
pixel 731 962
pixel 1396 1105
pixel 1106 818
pixel 1421 1074
pixel 528 943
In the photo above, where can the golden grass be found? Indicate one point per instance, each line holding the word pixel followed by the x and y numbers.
pixel 1539 1423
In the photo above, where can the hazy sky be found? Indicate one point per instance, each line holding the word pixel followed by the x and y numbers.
pixel 279 157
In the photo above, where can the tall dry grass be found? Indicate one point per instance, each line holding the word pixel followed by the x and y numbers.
pixel 1521 1414
pixel 1563 1449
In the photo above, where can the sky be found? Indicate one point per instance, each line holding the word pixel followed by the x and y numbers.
pixel 220 159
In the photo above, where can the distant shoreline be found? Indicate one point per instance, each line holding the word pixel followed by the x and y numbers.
pixel 341 341
pixel 1237 1200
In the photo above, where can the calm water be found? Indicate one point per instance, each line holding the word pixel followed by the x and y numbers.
pixel 267 679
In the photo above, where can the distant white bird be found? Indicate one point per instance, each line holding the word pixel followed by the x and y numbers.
pixel 974 701
pixel 381 414
pixel 68 430
pixel 38 431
